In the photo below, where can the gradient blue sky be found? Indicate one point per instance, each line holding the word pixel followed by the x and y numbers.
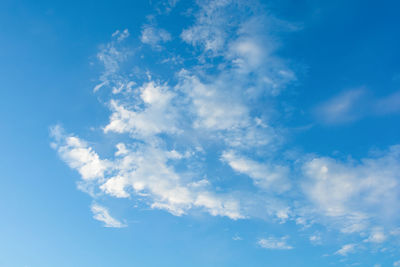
pixel 199 133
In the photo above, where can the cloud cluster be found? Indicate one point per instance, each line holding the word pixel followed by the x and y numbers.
pixel 174 133
pixel 172 125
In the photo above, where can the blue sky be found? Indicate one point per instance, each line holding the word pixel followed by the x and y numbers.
pixel 199 133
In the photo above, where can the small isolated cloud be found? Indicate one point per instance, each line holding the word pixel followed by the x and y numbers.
pixel 154 36
pixel 236 237
pixel 274 243
pixel 396 263
pixel 346 249
pixel 121 35
pixel 315 239
pixel 377 236
pixel 102 214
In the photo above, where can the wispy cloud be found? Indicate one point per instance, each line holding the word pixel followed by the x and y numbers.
pixel 316 239
pixel 274 243
pixel 102 214
pixel 112 55
pixel 345 107
pixel 346 249
pixel 355 104
pixel 272 178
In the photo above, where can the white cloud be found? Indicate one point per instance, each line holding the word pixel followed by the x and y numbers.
pixel 315 239
pixel 148 172
pixel 209 29
pixel 165 7
pixel 154 36
pixel 174 126
pixel 396 263
pixel 243 39
pixel 111 55
pixel 102 214
pixel 377 236
pixel 346 107
pixel 346 249
pixel 156 116
pixel 274 243
pixel 121 35
pixel 355 193
pixel 236 237
pixel 266 176
pixel 78 155
pixel 214 108
pixel 115 186
pixel 355 104
pixel 197 110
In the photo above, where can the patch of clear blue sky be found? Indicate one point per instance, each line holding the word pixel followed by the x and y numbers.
pixel 46 78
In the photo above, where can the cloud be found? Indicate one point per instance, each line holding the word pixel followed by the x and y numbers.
pixel 164 127
pixel 156 116
pixel 315 239
pixel 354 104
pixel 120 36
pixel 396 263
pixel 165 7
pixel 240 32
pixel 154 36
pixel 377 236
pixel 388 105
pixel 78 155
pixel 346 249
pixel 274 243
pixel 170 133
pixel 345 107
pixel 101 214
pixel 146 171
pixel 212 105
pixel 208 31
pixel 269 177
pixel 236 237
pixel 111 56
pixel 355 193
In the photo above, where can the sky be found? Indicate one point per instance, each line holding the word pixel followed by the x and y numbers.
pixel 199 133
